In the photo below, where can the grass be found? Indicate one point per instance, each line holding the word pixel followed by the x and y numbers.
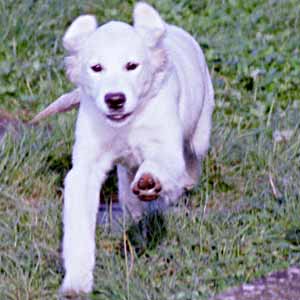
pixel 234 227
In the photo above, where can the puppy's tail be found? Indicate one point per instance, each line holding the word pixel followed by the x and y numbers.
pixel 64 103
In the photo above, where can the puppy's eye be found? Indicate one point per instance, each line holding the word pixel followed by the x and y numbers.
pixel 97 68
pixel 130 66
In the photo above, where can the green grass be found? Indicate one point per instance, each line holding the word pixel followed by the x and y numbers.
pixel 231 229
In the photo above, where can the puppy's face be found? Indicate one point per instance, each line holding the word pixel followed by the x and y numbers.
pixel 116 64
pixel 115 70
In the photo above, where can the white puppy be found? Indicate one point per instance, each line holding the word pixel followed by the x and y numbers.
pixel 146 102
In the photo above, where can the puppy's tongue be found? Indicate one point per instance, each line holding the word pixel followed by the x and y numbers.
pixel 118 117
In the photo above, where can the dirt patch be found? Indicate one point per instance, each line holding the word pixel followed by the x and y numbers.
pixel 7 120
pixel 281 285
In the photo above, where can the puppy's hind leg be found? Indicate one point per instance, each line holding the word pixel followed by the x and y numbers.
pixel 196 149
pixel 201 138
pixel 193 164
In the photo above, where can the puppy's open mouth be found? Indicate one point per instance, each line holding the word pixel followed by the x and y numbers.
pixel 118 117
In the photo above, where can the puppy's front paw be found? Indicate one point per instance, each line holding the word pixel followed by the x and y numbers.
pixel 147 187
pixel 74 287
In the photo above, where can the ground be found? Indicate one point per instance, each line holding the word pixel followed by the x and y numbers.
pixel 241 222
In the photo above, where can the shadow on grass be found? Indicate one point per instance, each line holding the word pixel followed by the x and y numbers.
pixel 148 233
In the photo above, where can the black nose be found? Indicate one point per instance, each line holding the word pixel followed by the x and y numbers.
pixel 115 100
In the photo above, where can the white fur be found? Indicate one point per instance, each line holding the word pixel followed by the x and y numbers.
pixel 170 98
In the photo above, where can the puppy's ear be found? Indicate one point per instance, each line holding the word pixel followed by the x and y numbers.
pixel 78 31
pixel 148 23
pixel 73 39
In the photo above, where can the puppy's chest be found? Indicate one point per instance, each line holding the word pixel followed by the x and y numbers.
pixel 132 147
pixel 130 155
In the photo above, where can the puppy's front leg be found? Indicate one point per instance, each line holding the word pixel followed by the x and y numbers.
pixel 81 200
pixel 163 172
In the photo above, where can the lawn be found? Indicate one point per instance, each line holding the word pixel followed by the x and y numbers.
pixel 243 219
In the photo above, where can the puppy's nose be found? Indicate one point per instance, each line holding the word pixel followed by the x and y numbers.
pixel 115 100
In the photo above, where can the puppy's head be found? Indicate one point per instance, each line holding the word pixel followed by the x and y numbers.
pixel 116 64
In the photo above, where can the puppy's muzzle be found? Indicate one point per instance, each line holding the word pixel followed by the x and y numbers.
pixel 115 101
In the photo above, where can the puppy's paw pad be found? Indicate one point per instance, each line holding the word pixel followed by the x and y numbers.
pixel 147 188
